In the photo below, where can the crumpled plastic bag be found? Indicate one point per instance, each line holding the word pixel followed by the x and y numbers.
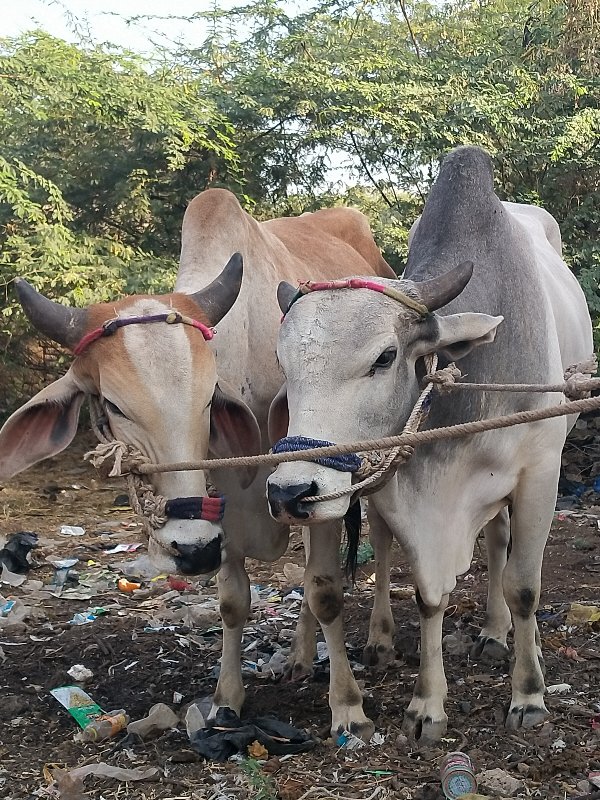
pixel 579 614
pixel 14 556
pixel 70 784
pixel 227 734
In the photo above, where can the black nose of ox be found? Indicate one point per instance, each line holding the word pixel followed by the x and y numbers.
pixel 289 498
pixel 197 559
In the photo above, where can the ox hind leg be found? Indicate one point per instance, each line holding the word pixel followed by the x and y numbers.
pixel 491 643
pixel 380 645
pixel 234 602
pixel 324 590
pixel 533 506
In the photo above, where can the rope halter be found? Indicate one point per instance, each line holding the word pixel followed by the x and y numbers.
pixel 376 467
pixel 153 509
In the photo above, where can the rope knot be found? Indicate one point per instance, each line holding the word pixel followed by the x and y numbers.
pixel 577 387
pixel 445 378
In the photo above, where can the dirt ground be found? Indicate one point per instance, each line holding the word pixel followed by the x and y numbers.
pixel 135 667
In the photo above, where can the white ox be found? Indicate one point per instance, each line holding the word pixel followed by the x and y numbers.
pixel 353 358
pixel 177 397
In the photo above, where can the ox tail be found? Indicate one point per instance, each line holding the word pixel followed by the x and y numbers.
pixel 352 524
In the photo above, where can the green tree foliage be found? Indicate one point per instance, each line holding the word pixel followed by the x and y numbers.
pixel 101 151
pixel 350 101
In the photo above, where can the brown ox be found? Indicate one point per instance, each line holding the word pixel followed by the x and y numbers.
pixel 176 397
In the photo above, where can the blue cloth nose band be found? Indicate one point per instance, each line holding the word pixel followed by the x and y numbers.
pixel 291 444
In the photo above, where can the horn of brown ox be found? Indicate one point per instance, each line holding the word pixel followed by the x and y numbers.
pixel 62 324
pixel 217 298
pixel 440 291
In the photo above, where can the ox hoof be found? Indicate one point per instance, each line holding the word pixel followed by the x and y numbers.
pixel 297 671
pixel 525 716
pixel 361 727
pixel 424 728
pixel 378 655
pixel 489 650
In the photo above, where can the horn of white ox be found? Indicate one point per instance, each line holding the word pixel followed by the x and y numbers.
pixel 440 291
pixel 62 324
pixel 217 298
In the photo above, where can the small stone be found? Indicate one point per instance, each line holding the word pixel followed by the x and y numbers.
pixel 499 783
pixel 523 769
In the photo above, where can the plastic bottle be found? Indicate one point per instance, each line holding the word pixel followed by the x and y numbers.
pixel 104 727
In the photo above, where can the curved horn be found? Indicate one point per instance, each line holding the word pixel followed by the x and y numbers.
pixel 62 324
pixel 217 298
pixel 439 291
pixel 285 294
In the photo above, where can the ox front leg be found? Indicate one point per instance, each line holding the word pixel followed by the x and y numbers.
pixel 234 603
pixel 380 645
pixel 304 646
pixel 323 586
pixel 491 642
pixel 533 507
pixel 425 718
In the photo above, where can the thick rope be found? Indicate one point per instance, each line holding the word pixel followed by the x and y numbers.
pixel 127 462
pixel 368 445
pixel 575 386
pixel 132 464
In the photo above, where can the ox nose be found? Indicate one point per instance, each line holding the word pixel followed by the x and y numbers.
pixel 197 559
pixel 289 498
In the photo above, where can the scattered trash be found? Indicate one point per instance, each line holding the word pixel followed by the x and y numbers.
pixel 104 727
pixel 13 579
pixel 16 554
pixel 194 720
pixel 322 651
pixel 570 653
pixel 559 688
pixel 579 614
pixel 179 584
pixel 227 735
pixel 70 784
pixel 294 574
pixel 80 673
pixel 457 775
pixel 160 718
pixel 594 779
pixel 277 664
pixel 499 782
pixel 71 530
pixel 123 548
pixel 349 741
pixel 558 745
pixel 13 612
pixel 78 703
pixel 83 618
pixel 257 750
pixel 457 644
pixel 177 697
pixel 127 586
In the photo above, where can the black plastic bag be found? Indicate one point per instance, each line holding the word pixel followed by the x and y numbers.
pixel 228 735
pixel 14 553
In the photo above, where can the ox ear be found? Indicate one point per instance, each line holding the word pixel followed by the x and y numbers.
pixel 41 428
pixel 234 430
pixel 279 418
pixel 458 334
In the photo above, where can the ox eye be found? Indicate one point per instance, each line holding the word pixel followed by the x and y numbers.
pixel 113 409
pixel 385 360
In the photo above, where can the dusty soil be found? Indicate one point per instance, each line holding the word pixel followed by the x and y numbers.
pixel 133 668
